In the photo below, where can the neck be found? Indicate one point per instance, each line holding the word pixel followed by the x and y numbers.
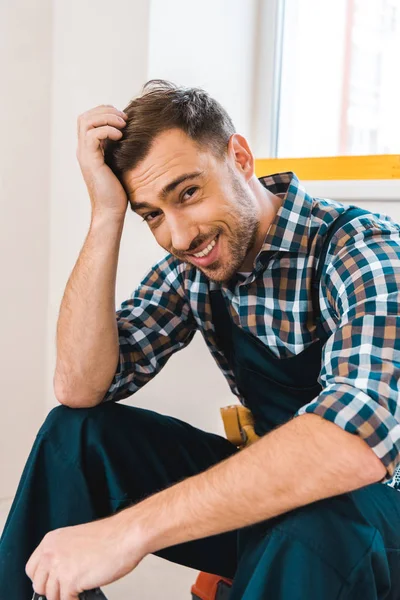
pixel 268 205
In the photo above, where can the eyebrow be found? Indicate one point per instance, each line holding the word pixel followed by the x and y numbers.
pixel 167 189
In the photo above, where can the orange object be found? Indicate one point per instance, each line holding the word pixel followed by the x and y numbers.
pixel 239 425
pixel 376 166
pixel 211 587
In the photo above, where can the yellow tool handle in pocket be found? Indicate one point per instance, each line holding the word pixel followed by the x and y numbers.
pixel 239 425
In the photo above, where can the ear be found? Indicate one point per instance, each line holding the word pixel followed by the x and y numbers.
pixel 240 155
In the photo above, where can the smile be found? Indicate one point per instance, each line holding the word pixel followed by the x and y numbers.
pixel 207 250
pixel 208 255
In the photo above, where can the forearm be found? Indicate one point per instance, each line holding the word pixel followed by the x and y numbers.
pixel 305 460
pixel 87 335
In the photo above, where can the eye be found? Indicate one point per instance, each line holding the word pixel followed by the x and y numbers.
pixel 147 219
pixel 189 191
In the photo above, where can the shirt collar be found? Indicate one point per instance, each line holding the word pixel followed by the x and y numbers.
pixel 290 228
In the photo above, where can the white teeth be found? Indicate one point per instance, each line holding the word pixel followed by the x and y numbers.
pixel 206 250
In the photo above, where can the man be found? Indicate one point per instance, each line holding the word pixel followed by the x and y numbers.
pixel 305 331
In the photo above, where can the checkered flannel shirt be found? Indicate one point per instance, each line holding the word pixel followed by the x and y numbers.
pixel 359 300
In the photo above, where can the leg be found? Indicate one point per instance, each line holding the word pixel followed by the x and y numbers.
pixel 88 463
pixel 341 548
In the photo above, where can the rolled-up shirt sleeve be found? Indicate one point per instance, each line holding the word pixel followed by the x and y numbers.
pixel 360 370
pixel 153 324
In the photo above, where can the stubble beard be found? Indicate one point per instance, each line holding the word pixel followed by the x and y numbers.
pixel 240 242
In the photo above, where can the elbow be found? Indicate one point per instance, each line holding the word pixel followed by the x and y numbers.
pixel 370 468
pixel 74 402
pixel 74 399
pixel 377 470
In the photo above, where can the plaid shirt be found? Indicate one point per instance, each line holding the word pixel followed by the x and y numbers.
pixel 359 301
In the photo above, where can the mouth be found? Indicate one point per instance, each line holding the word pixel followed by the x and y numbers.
pixel 207 255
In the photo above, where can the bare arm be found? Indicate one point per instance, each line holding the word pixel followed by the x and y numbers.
pixel 87 338
pixel 304 460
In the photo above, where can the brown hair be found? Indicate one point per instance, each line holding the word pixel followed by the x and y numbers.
pixel 163 105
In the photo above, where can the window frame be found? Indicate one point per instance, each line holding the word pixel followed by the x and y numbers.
pixel 370 182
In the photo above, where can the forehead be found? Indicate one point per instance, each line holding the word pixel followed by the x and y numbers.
pixel 172 154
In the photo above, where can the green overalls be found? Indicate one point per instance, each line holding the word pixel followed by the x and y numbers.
pixel 89 463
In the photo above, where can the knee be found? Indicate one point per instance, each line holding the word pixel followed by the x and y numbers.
pixel 66 412
pixel 62 418
pixel 107 416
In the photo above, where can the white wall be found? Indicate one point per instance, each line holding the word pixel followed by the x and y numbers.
pixel 209 44
pixel 25 51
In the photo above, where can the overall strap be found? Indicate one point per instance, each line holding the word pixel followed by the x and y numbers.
pixel 348 215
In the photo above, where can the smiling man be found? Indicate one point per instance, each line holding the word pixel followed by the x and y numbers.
pixel 207 216
pixel 297 299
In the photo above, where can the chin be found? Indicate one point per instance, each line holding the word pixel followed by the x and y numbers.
pixel 219 275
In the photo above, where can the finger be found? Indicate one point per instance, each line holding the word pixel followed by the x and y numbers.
pixel 66 594
pixel 103 107
pixel 32 564
pixel 101 120
pixel 99 110
pixel 40 581
pixel 53 589
pixel 94 136
pixel 108 108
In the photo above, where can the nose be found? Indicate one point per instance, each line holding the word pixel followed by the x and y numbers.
pixel 182 233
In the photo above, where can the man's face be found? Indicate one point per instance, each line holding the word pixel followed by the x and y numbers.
pixel 195 203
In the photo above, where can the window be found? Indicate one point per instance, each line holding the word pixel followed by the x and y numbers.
pixel 339 87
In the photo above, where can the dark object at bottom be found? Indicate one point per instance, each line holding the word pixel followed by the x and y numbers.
pixel 211 587
pixel 96 594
